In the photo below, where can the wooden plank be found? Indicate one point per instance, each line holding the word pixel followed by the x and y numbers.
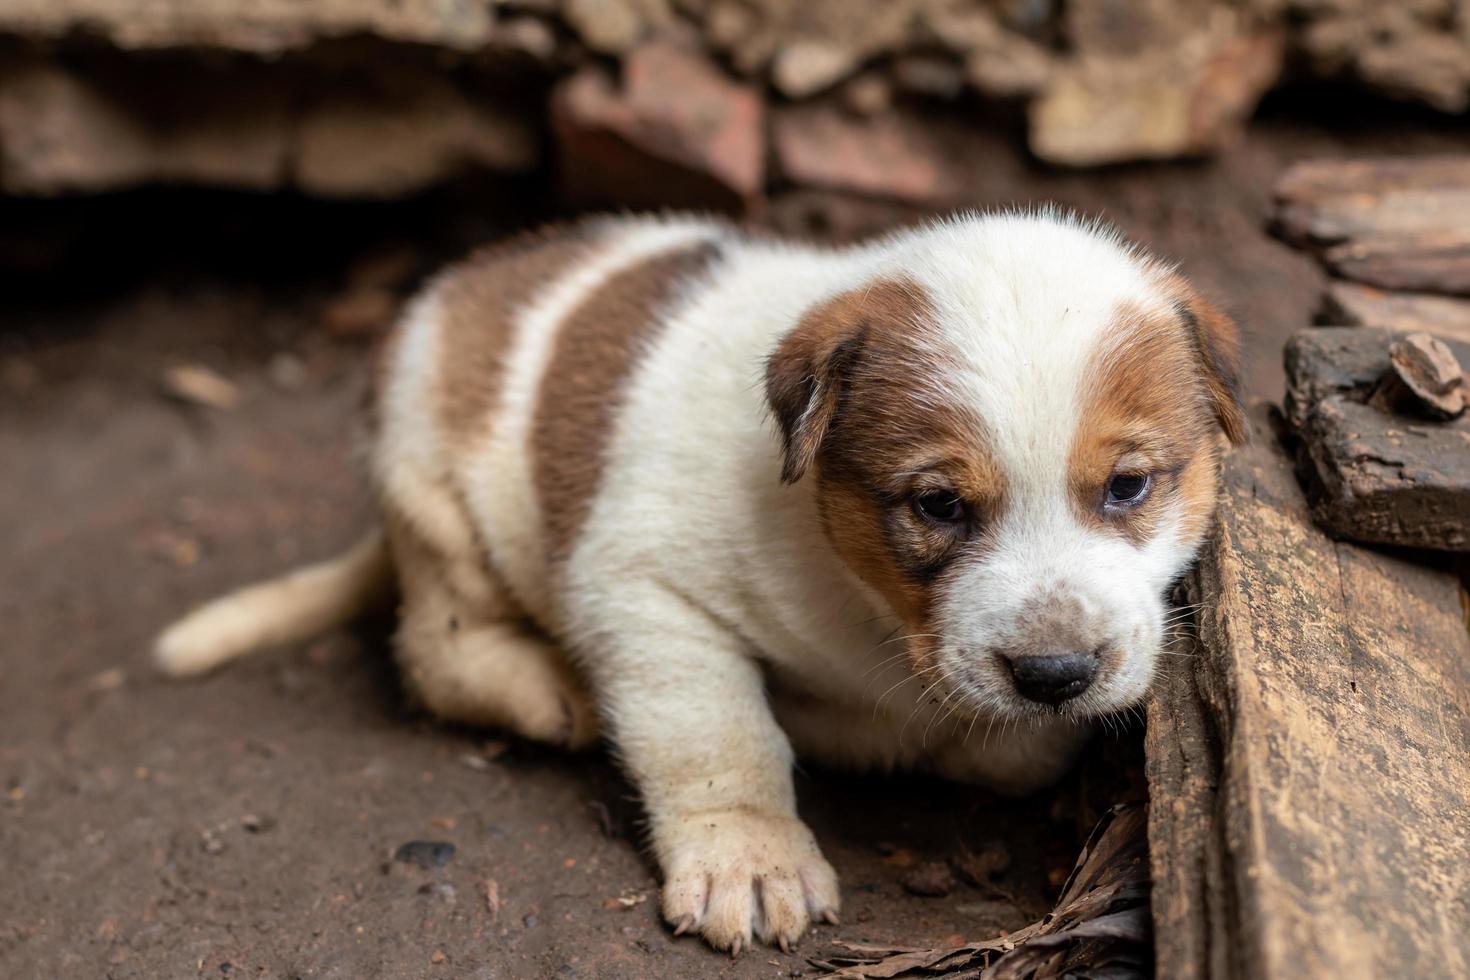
pixel 1370 475
pixel 1350 304
pixel 1396 223
pixel 1192 901
pixel 1334 682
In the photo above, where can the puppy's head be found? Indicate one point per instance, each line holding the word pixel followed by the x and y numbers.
pixel 1013 428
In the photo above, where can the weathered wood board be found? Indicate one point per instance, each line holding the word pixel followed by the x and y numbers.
pixel 1350 304
pixel 1310 765
pixel 1192 902
pixel 1372 476
pixel 1397 223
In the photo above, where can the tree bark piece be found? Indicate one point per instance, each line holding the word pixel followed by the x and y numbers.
pixel 1372 476
pixel 1396 223
pixel 1332 684
pixel 1424 378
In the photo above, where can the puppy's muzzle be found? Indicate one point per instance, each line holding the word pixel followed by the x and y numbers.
pixel 1052 678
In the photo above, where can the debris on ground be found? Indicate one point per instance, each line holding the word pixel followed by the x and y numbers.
pixel 490 890
pixel 425 854
pixel 932 879
pixel 254 823
pixel 625 901
pixel 978 868
pixel 1099 927
pixel 199 385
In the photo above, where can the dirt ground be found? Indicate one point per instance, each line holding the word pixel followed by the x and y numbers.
pixel 245 825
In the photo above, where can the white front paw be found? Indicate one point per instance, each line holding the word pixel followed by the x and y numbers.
pixel 731 874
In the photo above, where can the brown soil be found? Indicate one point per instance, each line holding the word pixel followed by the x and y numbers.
pixel 244 825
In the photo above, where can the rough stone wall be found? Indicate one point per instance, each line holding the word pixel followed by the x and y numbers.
pixel 676 101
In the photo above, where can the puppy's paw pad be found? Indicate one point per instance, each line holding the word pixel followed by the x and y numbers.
pixel 732 876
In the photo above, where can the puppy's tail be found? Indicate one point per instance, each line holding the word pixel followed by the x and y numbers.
pixel 294 607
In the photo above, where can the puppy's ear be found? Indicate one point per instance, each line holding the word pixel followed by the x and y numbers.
pixel 1216 341
pixel 806 379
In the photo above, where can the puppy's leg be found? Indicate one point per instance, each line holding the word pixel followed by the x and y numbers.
pixel 688 711
pixel 472 657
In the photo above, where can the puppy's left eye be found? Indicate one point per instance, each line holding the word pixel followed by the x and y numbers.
pixel 940 506
pixel 1127 490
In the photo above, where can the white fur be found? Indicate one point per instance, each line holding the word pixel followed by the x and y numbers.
pixel 496 477
pixel 703 601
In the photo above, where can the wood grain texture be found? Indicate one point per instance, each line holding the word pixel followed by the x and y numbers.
pixel 1335 682
pixel 1370 475
pixel 1193 906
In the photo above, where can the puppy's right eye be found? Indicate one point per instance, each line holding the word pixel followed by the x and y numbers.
pixel 940 506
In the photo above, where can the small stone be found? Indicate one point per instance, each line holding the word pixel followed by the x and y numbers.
pixel 1014 70
pixel 441 890
pixel 210 843
pixel 890 156
pixel 1182 99
pixel 674 130
pixel 437 957
pixel 932 879
pixel 425 854
pixel 868 95
pixel 609 26
pixel 490 889
pixel 199 385
pixel 529 36
pixel 1424 370
pixel 805 68
pixel 256 824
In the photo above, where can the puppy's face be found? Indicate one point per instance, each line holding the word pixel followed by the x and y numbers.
pixel 1014 435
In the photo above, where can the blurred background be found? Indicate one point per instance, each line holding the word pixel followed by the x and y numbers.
pixel 211 209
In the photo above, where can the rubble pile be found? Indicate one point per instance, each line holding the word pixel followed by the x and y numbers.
pixel 702 101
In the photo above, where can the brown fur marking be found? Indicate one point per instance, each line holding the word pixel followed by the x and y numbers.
pixel 480 301
pixel 595 351
pixel 852 390
pixel 1149 406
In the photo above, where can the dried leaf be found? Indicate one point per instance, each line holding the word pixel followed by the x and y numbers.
pixel 1100 927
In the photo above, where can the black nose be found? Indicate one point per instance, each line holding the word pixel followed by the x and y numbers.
pixel 1053 677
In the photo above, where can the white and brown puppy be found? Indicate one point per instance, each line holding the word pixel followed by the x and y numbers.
pixel 994 448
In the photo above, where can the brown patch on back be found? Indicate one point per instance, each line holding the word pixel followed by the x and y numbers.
pixel 853 388
pixel 595 351
pixel 480 300
pixel 1148 407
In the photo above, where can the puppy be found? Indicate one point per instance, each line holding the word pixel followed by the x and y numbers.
pixel 915 503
